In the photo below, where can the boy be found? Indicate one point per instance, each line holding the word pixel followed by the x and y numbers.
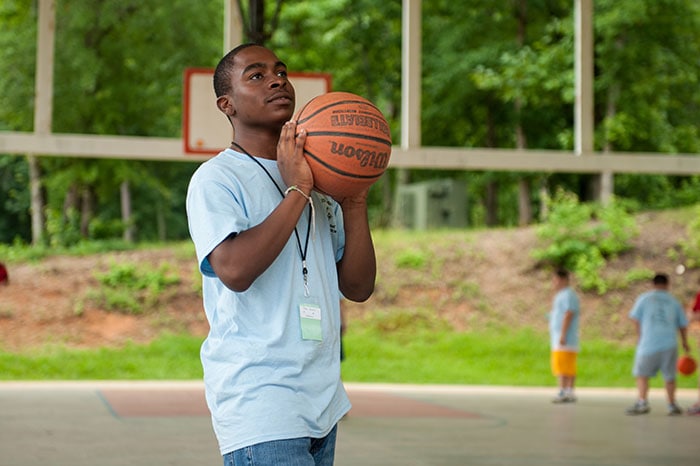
pixel 273 273
pixel 564 336
pixel 658 317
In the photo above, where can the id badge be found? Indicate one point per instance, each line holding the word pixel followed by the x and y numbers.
pixel 310 318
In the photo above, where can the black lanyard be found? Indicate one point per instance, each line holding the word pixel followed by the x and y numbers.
pixel 302 251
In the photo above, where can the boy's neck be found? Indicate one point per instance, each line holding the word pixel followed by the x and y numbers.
pixel 261 144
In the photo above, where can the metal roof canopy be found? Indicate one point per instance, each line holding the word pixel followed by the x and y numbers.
pixel 410 154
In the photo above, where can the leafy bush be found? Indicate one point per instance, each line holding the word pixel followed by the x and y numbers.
pixel 582 236
pixel 132 288
pixel 690 247
pixel 411 259
pixel 62 230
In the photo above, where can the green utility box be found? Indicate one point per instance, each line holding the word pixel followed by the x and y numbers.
pixel 431 204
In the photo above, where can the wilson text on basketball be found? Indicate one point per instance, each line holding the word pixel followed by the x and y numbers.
pixel 367 158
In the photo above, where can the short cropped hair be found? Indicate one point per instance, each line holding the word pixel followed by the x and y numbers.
pixel 660 279
pixel 222 74
pixel 562 273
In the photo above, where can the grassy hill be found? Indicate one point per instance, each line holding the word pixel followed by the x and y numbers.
pixel 449 307
pixel 470 280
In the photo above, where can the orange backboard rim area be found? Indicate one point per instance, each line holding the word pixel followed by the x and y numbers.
pixel 205 130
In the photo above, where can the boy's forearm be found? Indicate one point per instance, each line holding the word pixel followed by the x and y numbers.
pixel 357 269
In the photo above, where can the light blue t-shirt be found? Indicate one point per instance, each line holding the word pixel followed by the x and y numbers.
pixel 660 316
pixel 263 381
pixel 565 300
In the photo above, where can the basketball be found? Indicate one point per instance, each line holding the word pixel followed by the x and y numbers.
pixel 348 142
pixel 686 365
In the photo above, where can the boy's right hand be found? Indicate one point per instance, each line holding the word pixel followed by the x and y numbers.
pixel 293 166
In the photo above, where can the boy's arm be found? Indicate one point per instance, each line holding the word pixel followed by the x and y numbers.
pixel 357 269
pixel 637 328
pixel 568 317
pixel 684 338
pixel 239 260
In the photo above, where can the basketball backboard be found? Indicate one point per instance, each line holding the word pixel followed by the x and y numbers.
pixel 205 130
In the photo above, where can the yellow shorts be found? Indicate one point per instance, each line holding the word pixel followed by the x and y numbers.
pixel 564 363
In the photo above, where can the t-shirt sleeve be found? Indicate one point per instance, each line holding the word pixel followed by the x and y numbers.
pixel 572 304
pixel 214 212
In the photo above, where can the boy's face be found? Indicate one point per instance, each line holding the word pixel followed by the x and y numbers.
pixel 261 92
pixel 558 282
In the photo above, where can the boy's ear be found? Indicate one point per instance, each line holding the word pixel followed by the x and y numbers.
pixel 225 104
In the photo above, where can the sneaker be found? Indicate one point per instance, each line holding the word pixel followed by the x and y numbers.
pixel 674 410
pixel 564 397
pixel 640 407
pixel 694 410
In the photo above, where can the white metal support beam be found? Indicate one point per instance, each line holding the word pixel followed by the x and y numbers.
pixel 233 25
pixel 448 158
pixel 43 84
pixel 409 154
pixel 411 57
pixel 583 71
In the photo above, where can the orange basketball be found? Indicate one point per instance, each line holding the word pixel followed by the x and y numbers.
pixel 348 142
pixel 686 365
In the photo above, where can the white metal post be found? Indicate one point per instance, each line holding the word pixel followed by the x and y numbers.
pixel 43 83
pixel 233 25
pixel 411 74
pixel 583 70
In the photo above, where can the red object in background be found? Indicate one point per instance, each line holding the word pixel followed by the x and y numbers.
pixel 696 306
pixel 4 277
pixel 686 365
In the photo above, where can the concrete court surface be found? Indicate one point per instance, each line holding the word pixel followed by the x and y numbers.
pixel 167 423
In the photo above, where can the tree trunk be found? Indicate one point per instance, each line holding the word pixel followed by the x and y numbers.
pixel 606 183
pixel 162 226
pixel 86 211
pixel 491 200
pixel 36 201
pixel 491 203
pixel 524 205
pixel 70 202
pixel 125 195
pixel 256 15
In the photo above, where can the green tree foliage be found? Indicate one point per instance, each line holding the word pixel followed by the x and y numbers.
pixel 118 70
pixel 131 289
pixel 689 248
pixel 648 76
pixel 646 54
pixel 17 52
pixel 17 57
pixel 119 67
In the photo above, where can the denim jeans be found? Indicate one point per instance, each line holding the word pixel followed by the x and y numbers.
pixel 304 451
